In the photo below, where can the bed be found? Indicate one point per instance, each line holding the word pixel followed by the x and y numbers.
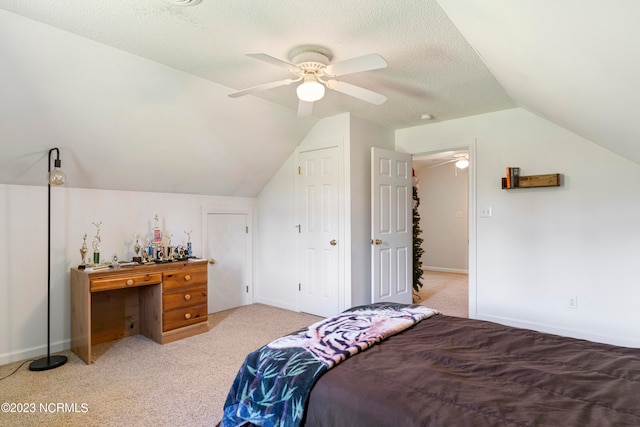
pixel 450 371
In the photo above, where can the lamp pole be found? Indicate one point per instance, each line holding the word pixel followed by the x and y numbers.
pixel 56 178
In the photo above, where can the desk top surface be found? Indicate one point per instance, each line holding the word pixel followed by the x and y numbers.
pixel 141 268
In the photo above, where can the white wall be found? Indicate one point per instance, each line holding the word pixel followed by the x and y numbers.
pixel 543 246
pixel 444 219
pixel 23 250
pixel 364 135
pixel 277 279
pixel 277 282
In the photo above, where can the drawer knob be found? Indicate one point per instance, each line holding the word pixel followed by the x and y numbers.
pixel 187 297
pixel 187 277
pixel 129 282
pixel 187 316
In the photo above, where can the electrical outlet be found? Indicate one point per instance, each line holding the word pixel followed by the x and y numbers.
pixel 572 302
pixel 486 212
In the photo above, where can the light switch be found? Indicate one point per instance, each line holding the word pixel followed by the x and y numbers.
pixel 486 212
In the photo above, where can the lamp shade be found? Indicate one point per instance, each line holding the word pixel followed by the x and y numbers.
pixel 311 90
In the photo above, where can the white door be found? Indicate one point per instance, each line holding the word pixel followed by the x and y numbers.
pixel 391 226
pixel 227 249
pixel 317 204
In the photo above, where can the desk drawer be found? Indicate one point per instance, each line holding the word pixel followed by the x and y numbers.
pixel 180 279
pixel 184 316
pixel 184 297
pixel 120 282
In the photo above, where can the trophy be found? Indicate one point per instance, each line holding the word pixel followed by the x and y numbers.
pixel 189 251
pixel 136 249
pixel 96 244
pixel 169 249
pixel 158 253
pixel 157 234
pixel 147 251
pixel 83 250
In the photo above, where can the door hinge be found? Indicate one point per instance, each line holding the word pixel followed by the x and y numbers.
pixel 247 288
pixel 299 228
pixel 246 229
pixel 299 287
pixel 299 170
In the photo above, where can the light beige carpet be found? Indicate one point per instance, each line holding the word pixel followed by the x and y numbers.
pixel 138 382
pixel 445 292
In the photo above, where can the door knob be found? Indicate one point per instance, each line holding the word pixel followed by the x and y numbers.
pixel 377 241
pixel 212 261
pixel 333 242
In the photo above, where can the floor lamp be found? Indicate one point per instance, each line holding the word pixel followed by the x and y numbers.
pixel 55 177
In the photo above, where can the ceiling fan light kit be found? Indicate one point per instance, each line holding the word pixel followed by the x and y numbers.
pixel 310 90
pixel 312 65
pixel 462 162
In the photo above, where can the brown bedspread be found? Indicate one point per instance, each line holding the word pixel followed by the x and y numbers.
pixel 449 371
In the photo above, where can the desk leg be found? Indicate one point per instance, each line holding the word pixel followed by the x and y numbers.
pixel 80 317
pixel 151 312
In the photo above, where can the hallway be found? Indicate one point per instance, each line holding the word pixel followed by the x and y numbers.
pixel 445 292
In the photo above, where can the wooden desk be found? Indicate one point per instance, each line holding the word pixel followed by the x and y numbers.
pixel 165 302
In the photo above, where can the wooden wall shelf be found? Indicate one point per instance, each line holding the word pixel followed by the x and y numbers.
pixel 533 181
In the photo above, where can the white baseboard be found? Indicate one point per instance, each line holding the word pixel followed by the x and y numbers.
pixel 34 352
pixel 557 330
pixel 274 303
pixel 445 270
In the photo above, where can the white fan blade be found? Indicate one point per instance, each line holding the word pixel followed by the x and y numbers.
pixel 262 87
pixel 372 61
pixel 273 61
pixel 304 108
pixel 443 163
pixel 357 92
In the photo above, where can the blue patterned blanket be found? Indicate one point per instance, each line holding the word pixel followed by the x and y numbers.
pixel 272 386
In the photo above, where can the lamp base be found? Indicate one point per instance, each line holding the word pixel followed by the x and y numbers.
pixel 46 363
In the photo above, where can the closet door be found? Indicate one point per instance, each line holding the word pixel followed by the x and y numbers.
pixel 317 202
pixel 228 256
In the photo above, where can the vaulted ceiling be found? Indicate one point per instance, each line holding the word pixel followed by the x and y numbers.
pixel 135 93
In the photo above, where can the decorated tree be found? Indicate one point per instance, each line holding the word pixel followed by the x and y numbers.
pixel 417 240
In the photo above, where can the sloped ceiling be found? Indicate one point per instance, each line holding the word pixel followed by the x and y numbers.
pixel 574 62
pixel 135 92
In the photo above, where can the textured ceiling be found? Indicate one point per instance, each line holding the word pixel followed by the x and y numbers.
pixel 132 86
pixel 432 69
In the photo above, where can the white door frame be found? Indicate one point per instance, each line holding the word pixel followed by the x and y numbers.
pixel 471 147
pixel 248 211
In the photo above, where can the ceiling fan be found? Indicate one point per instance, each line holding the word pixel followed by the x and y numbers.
pixel 461 159
pixel 312 66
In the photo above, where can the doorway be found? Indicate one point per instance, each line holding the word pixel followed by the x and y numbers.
pixel 446 203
